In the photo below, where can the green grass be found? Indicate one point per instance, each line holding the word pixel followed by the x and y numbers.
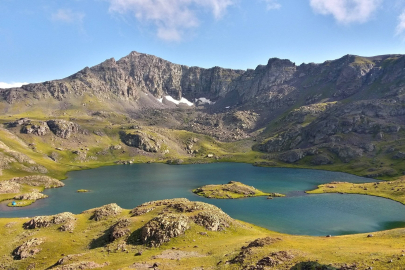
pixel 87 240
pixel 21 203
pixel 394 190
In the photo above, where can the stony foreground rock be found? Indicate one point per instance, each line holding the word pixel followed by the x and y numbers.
pixel 46 221
pixel 28 249
pixel 164 227
pixel 168 224
pixel 104 212
pixel 120 229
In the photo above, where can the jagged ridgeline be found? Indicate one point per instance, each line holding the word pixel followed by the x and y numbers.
pixel 347 112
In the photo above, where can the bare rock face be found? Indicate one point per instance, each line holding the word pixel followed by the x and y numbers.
pixel 104 212
pixel 164 227
pixel 63 128
pixel 142 141
pixel 120 229
pixel 27 249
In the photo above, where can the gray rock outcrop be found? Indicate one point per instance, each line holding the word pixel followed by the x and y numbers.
pixel 120 229
pixel 46 221
pixel 104 212
pixel 28 249
pixel 164 227
pixel 63 128
pixel 142 141
pixel 40 130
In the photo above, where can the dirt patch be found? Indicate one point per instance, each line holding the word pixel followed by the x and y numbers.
pixel 81 265
pixel 178 254
pixel 141 266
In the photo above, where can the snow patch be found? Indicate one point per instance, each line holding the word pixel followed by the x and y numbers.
pixel 182 100
pixel 160 100
pixel 203 100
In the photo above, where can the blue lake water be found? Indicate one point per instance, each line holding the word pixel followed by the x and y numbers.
pixel 299 213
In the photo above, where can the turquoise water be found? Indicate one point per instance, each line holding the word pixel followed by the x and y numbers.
pixel 131 185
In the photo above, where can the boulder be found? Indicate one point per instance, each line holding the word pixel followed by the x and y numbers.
pixel 120 229
pixel 104 212
pixel 63 128
pixel 27 249
pixel 142 141
pixel 19 122
pixel 46 221
pixel 40 130
pixel 213 220
pixel 164 227
pixel 261 242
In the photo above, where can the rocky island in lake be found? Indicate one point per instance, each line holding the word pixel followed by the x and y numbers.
pixel 232 190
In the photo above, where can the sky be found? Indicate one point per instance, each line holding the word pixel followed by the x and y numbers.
pixel 43 40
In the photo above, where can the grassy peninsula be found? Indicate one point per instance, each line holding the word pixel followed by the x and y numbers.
pixel 394 190
pixel 232 190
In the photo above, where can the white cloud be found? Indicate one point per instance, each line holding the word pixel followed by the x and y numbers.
pixel 346 11
pixel 11 85
pixel 67 16
pixel 272 4
pixel 401 24
pixel 171 17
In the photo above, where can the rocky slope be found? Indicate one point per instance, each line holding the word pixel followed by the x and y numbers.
pixel 348 111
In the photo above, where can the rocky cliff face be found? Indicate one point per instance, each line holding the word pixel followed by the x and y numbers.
pixel 343 110
pixel 126 78
pixel 279 84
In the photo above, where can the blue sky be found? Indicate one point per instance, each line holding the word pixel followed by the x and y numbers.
pixel 51 39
